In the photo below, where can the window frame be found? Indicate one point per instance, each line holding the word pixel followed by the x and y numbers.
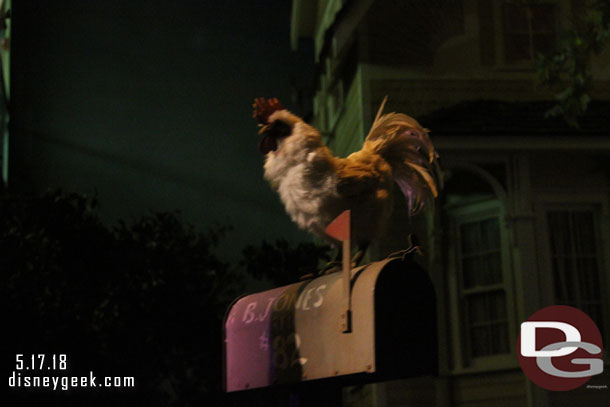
pixel 462 361
pixel 531 32
pixel 601 221
pixel 562 8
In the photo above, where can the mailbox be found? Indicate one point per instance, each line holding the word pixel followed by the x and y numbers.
pixel 295 333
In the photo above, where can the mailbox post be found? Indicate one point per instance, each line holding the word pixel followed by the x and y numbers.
pixel 294 333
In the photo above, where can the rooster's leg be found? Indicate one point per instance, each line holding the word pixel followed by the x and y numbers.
pixel 334 264
pixel 359 255
pixel 413 248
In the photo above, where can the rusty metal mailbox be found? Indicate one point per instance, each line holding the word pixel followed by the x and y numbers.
pixel 293 333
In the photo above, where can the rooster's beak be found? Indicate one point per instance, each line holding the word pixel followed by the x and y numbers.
pixel 263 129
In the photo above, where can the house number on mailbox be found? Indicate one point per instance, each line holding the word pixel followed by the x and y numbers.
pixel 284 341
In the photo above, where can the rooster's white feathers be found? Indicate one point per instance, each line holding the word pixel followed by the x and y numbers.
pixel 316 186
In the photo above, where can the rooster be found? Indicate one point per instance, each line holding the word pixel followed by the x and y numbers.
pixel 315 186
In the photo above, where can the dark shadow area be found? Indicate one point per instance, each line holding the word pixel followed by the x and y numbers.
pixel 406 343
pixel 144 299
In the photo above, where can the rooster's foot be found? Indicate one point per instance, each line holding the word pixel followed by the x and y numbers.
pixel 357 258
pixel 331 267
pixel 307 276
pixel 413 248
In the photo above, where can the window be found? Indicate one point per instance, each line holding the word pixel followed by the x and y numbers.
pixel 528 30
pixel 481 302
pixel 575 261
pixel 481 288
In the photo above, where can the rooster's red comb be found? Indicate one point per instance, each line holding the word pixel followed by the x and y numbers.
pixel 263 108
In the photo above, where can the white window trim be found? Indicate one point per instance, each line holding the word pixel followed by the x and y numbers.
pixel 461 365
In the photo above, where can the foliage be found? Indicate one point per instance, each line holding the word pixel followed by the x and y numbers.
pixel 144 299
pixel 281 262
pixel 568 68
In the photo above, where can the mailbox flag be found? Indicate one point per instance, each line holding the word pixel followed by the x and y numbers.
pixel 340 227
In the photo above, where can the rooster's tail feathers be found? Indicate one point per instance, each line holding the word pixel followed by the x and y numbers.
pixel 405 145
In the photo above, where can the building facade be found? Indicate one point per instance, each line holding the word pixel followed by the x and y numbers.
pixel 5 61
pixel 523 221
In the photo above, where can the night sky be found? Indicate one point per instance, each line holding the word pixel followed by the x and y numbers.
pixel 149 104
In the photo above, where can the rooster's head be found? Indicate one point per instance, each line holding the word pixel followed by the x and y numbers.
pixel 272 128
